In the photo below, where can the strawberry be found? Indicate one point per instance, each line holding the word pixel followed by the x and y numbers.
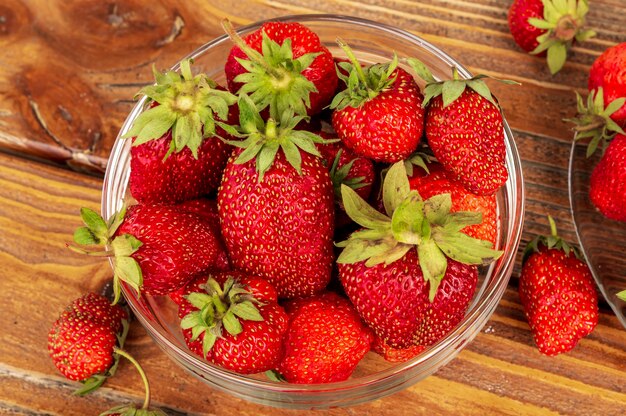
pixel 276 209
pixel 396 355
pixel 607 186
pixel 379 115
pixel 557 293
pixel 81 348
pixel 156 249
pixel 538 26
pixel 207 210
pixel 176 153
pixel 465 131
pixel 82 341
pixel 325 340
pixel 410 272
pixel 234 322
pixel 436 181
pixel 283 66
pixel 607 72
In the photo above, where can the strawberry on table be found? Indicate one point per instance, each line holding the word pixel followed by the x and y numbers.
pixel 176 152
pixel 558 294
pixel 325 340
pixel 82 341
pixel 379 115
pixel 465 130
pixel 410 272
pixel 538 26
pixel 283 66
pixel 234 321
pixel 276 205
pixel 155 249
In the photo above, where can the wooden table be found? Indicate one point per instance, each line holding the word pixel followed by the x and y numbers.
pixel 68 71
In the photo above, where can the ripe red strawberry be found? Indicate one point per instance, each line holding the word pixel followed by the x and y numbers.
pixel 325 340
pixel 282 66
pixel 81 348
pixel 436 181
pixel 379 115
pixel 607 186
pixel 156 249
pixel 465 131
pixel 234 322
pixel 276 210
pixel 538 26
pixel 82 341
pixel 558 294
pixel 395 271
pixel 176 154
pixel 607 72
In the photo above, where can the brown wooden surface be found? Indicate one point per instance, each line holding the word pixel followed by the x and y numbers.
pixel 68 71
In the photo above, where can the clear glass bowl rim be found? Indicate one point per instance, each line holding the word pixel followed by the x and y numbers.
pixel 477 315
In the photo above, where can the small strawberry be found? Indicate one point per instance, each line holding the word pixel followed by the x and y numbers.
pixel 325 340
pixel 234 322
pixel 283 66
pixel 465 130
pixel 410 272
pixel 155 249
pixel 607 186
pixel 276 205
pixel 379 115
pixel 436 181
pixel 396 355
pixel 558 294
pixel 538 26
pixel 607 72
pixel 176 153
pixel 82 342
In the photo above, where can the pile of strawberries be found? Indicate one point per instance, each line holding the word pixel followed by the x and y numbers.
pixel 242 194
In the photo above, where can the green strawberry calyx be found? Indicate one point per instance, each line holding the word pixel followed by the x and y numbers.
pixel 340 176
pixel 362 83
pixel 220 307
pixel 263 139
pixel 98 232
pixel 594 121
pixel 452 89
pixel 563 22
pixel 132 409
pixel 552 241
pixel 410 222
pixel 190 106
pixel 274 78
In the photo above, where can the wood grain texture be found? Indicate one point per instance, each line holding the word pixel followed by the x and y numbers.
pixel 68 72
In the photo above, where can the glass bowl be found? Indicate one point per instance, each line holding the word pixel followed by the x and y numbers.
pixel 602 241
pixel 374 377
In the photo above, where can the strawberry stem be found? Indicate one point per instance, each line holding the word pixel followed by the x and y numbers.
pixel 105 253
pixel 146 401
pixel 252 54
pixel 354 60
